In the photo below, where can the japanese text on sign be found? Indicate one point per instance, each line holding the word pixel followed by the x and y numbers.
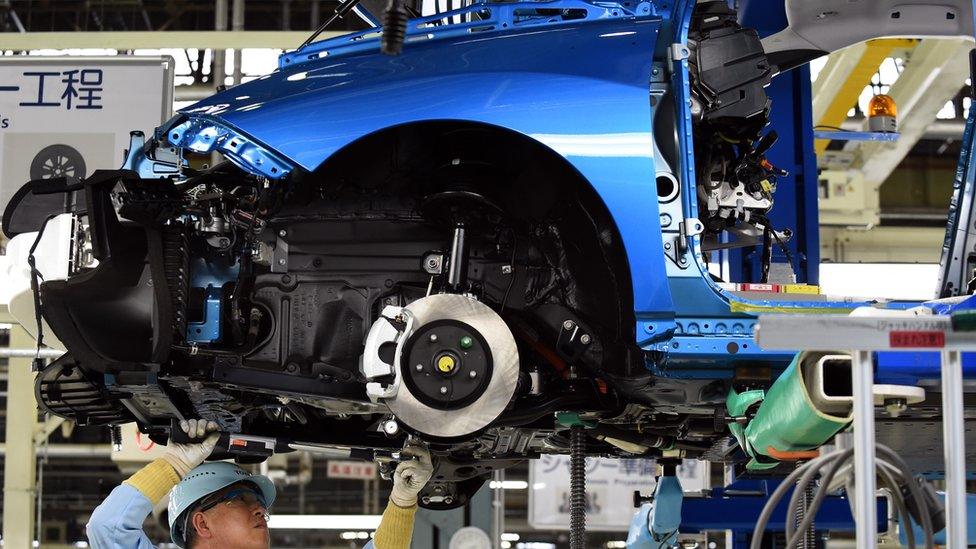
pixel 69 89
pixel 362 470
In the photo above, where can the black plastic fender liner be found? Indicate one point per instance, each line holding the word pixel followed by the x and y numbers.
pixel 104 316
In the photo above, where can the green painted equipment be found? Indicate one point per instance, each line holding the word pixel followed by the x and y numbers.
pixel 804 408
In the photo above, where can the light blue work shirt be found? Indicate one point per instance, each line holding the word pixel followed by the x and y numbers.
pixel 117 522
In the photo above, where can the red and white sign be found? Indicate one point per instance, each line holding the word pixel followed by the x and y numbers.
pixel 359 470
pixel 917 339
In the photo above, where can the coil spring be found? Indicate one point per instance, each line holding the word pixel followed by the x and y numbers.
pixel 394 28
pixel 809 538
pixel 577 487
pixel 176 262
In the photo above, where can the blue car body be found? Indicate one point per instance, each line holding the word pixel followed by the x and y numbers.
pixel 584 87
pixel 601 90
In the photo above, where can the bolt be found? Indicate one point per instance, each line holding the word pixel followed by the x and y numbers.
pixel 448 500
pixel 433 338
pixel 895 406
pixel 292 367
pixel 390 427
pixel 419 367
pixel 282 233
pixel 655 71
pixel 281 262
pixel 585 339
pixel 224 242
pixel 568 325
pixel 432 263
pixel 443 390
pixel 473 374
pixel 506 269
pixel 425 500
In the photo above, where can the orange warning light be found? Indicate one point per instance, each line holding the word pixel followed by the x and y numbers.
pixel 882 105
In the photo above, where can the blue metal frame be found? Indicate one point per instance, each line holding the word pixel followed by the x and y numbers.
pixel 737 507
pixel 211 277
pixel 856 136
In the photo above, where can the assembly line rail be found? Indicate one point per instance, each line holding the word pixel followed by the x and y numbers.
pixel 863 335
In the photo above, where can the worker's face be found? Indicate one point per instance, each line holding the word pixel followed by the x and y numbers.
pixel 237 522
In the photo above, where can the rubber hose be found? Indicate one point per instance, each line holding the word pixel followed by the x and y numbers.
pixel 394 28
pixel 577 487
pixel 913 489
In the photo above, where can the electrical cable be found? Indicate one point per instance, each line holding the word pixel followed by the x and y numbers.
pixel 800 490
pixel 840 463
pixel 920 502
pixel 814 507
pixel 776 496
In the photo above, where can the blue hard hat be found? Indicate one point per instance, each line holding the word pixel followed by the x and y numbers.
pixel 204 480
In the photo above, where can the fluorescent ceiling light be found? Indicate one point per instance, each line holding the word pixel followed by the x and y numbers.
pixel 325 522
pixel 509 485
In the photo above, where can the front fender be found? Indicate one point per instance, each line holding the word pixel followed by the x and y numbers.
pixel 580 89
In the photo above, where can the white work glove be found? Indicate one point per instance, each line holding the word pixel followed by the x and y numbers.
pixel 411 476
pixel 184 457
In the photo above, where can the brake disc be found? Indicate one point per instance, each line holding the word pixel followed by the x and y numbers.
pixel 454 370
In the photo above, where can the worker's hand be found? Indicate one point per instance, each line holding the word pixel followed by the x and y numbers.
pixel 411 476
pixel 184 457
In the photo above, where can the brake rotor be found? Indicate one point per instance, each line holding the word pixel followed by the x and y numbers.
pixel 457 367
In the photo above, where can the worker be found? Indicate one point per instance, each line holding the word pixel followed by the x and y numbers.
pixel 219 505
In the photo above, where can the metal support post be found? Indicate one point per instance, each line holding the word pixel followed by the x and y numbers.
pixel 237 25
pixel 862 374
pixel 20 462
pixel 498 508
pixel 954 446
pixel 219 55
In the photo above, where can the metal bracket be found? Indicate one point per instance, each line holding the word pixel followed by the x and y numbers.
pixel 679 52
pixel 279 256
pixel 688 228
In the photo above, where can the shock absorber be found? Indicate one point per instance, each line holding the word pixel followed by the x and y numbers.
pixel 577 487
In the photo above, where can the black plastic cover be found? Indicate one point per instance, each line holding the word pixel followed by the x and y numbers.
pixel 730 67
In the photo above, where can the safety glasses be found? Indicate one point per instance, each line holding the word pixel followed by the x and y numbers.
pixel 239 496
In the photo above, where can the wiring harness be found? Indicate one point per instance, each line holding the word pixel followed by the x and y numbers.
pixel 913 497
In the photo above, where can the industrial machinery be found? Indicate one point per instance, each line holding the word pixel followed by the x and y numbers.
pixel 371 263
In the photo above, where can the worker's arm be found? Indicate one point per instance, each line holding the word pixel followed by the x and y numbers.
pixel 396 528
pixel 117 522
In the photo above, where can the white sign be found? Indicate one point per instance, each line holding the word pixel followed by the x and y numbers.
pixel 361 470
pixel 610 485
pixel 69 116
